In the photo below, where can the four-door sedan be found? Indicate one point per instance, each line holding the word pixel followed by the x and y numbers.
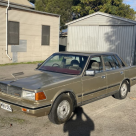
pixel 67 80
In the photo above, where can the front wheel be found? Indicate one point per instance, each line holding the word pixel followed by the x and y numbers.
pixel 122 94
pixel 61 110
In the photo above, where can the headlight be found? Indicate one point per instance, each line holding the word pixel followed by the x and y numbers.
pixel 28 95
pixel 33 96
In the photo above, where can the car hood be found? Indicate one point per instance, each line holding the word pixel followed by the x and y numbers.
pixel 39 81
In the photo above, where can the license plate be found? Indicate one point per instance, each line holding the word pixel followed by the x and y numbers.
pixel 5 106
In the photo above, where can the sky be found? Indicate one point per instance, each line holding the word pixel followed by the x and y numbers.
pixel 132 3
pixel 32 4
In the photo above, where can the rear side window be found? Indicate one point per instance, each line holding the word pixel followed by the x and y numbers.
pixel 116 62
pixel 123 65
pixel 110 63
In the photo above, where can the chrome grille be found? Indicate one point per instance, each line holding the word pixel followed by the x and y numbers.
pixel 3 88
pixel 11 90
pixel 15 91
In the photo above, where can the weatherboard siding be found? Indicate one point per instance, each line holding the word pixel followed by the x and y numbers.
pixel 3 57
pixel 21 2
pixel 31 31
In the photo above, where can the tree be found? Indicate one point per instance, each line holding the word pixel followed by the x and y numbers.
pixel 61 7
pixel 73 9
pixel 114 7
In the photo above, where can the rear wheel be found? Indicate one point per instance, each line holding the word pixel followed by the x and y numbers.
pixel 61 110
pixel 123 91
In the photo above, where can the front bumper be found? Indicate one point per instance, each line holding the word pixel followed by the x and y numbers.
pixel 32 109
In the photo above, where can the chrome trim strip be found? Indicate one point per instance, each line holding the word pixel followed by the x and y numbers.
pixel 113 85
pixel 101 89
pixel 97 98
pixel 80 95
pixel 94 91
pixel 25 106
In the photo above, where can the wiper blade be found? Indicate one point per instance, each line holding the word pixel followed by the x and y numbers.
pixel 57 72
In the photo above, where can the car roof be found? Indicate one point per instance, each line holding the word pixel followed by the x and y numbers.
pixel 88 53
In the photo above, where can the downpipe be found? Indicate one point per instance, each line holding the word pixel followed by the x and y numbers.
pixel 7 31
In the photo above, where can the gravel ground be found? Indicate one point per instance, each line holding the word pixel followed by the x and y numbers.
pixel 106 117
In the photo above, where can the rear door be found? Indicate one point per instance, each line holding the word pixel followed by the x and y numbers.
pixel 114 73
pixel 94 86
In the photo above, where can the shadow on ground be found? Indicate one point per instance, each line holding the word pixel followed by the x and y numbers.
pixel 79 124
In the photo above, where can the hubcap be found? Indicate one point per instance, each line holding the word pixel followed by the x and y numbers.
pixel 63 109
pixel 123 89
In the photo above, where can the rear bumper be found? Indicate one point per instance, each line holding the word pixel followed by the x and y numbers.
pixel 35 111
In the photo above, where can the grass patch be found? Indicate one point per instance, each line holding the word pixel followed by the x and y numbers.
pixel 34 62
pixel 4 121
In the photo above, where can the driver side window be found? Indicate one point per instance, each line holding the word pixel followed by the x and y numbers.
pixel 95 64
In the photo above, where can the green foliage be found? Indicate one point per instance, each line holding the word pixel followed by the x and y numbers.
pixel 61 7
pixel 73 9
pixel 115 7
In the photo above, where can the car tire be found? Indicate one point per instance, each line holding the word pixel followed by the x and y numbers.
pixel 122 94
pixel 61 109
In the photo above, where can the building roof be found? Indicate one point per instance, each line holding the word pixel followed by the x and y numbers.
pixel 19 2
pixel 25 8
pixel 104 14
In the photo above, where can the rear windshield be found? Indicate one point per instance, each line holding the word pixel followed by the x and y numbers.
pixel 64 63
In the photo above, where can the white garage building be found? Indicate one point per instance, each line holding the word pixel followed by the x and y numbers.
pixel 103 32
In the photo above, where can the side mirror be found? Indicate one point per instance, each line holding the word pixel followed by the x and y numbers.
pixel 39 65
pixel 90 73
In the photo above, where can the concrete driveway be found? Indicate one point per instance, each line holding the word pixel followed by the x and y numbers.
pixel 106 117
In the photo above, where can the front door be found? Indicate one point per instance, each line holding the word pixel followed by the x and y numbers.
pixel 94 86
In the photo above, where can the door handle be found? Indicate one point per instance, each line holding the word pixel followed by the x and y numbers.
pixel 103 77
pixel 121 72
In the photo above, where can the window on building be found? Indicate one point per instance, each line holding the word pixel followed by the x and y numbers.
pixel 13 33
pixel 45 35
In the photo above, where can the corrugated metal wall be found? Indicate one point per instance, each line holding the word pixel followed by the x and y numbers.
pixel 135 46
pixel 119 39
pixel 82 38
pixel 63 40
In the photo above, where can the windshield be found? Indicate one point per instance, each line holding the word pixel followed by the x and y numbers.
pixel 64 63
